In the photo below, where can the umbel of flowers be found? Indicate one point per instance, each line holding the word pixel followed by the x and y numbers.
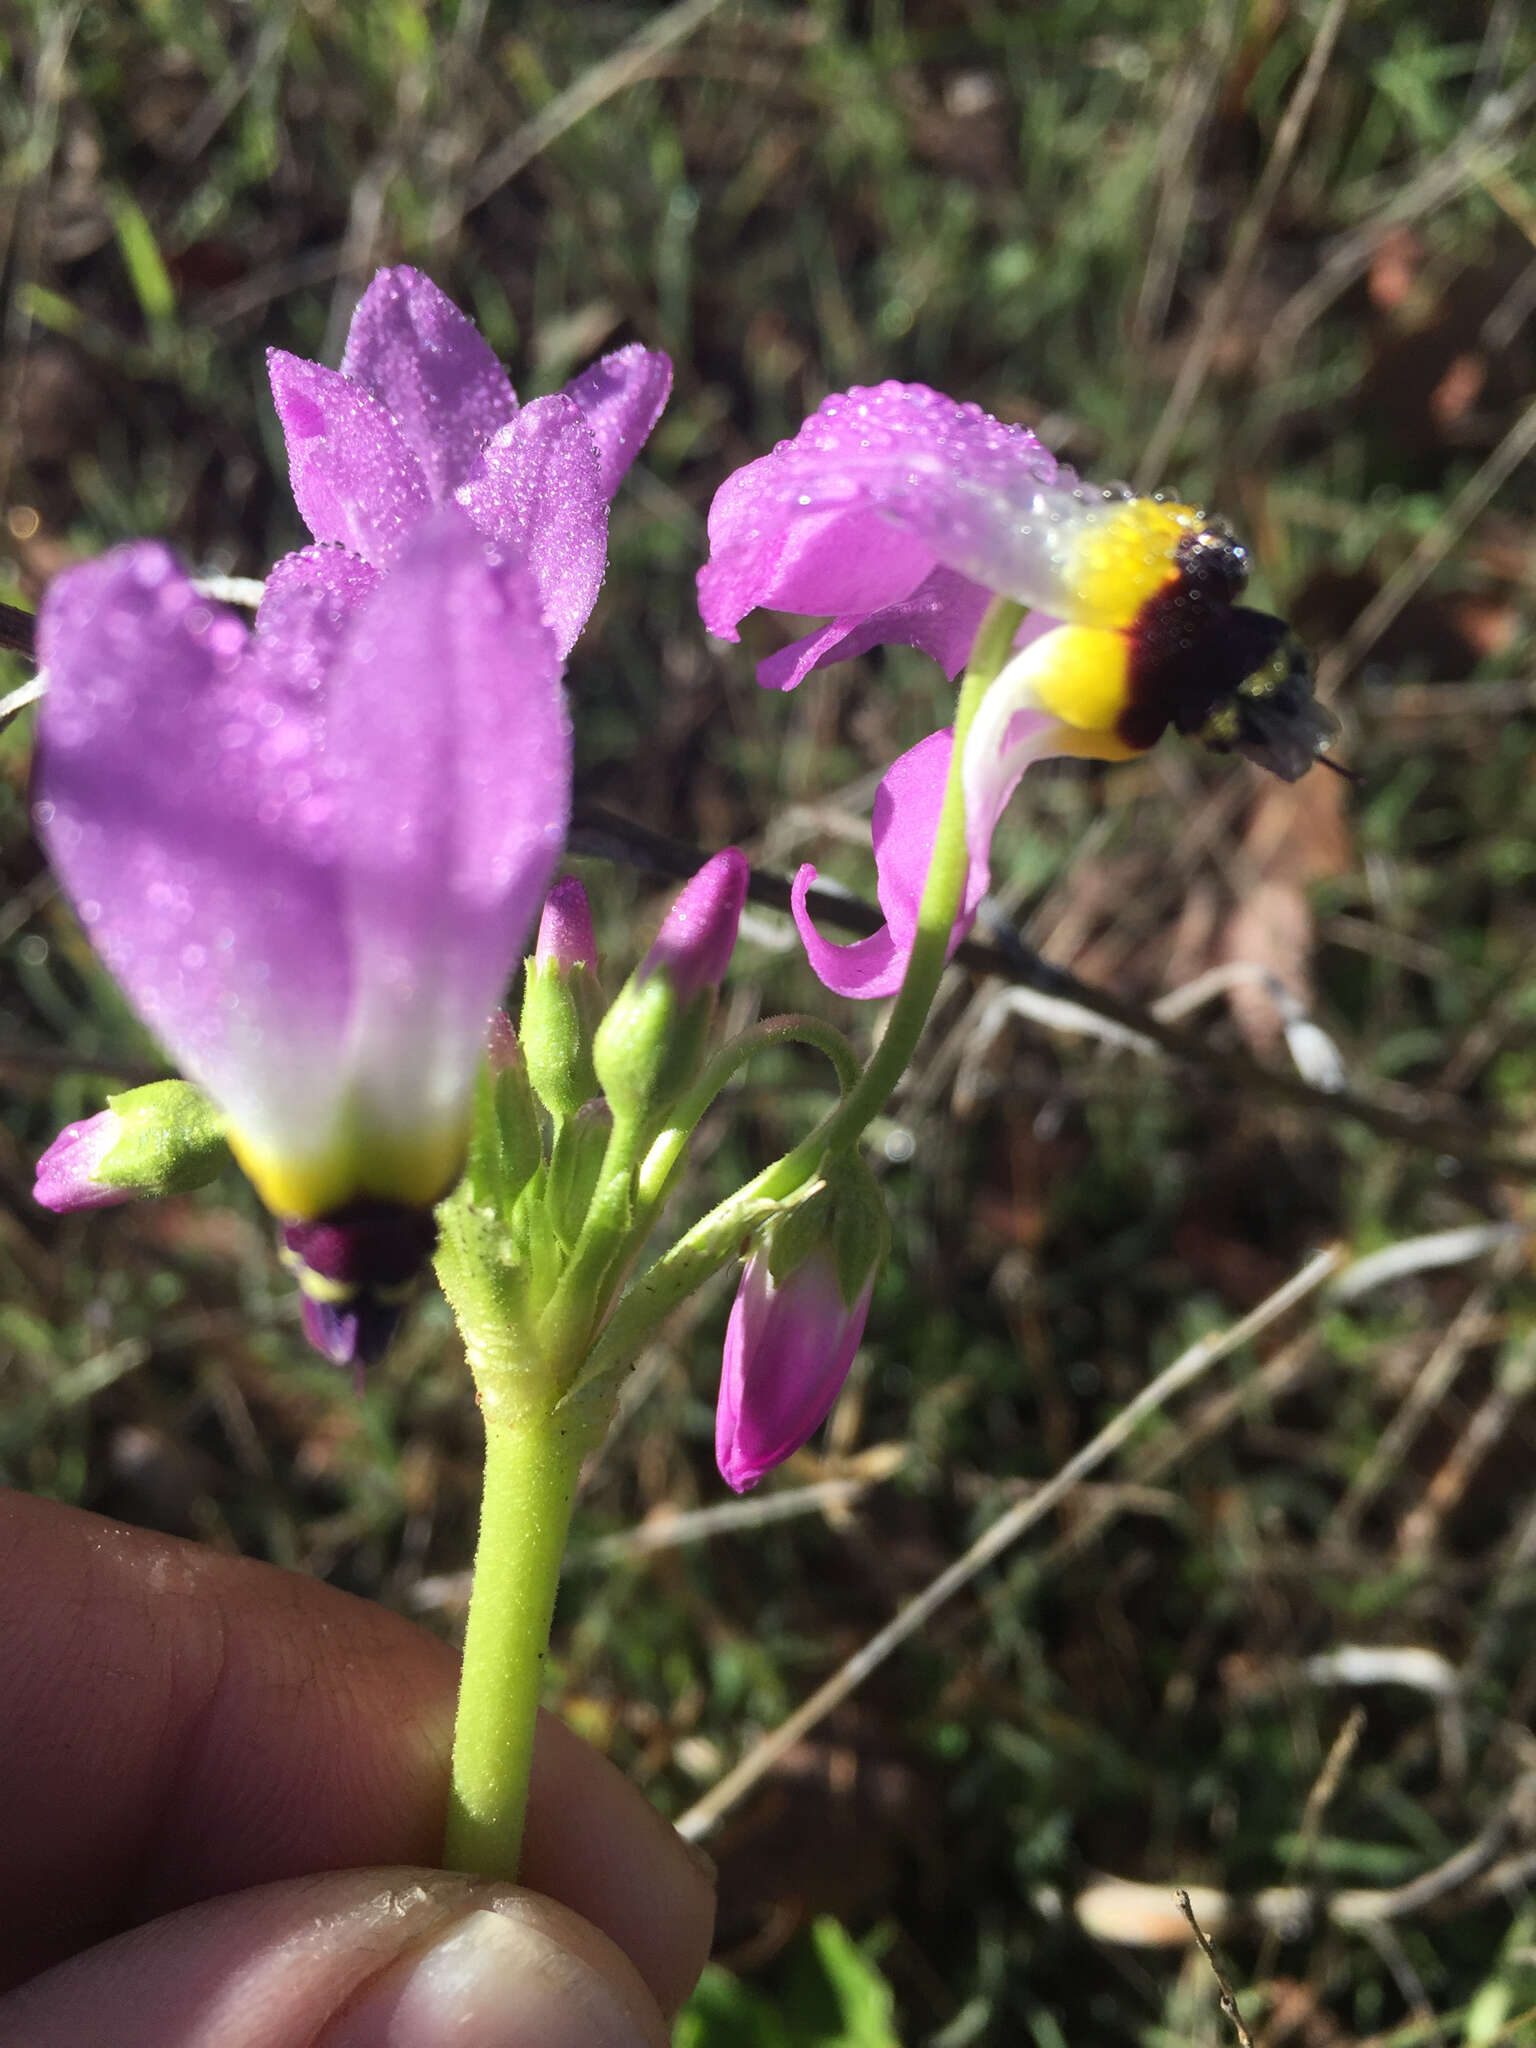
pixel 314 850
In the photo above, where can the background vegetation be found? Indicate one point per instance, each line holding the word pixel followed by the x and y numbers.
pixel 1277 255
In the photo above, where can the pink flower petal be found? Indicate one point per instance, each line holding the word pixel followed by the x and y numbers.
pixel 566 939
pixel 452 804
pixel 698 933
pixel 879 487
pixel 66 1171
pixel 941 618
pixel 354 478
pixel 312 858
pixel 432 371
pixel 621 398
pixel 184 796
pixel 905 823
pixel 536 489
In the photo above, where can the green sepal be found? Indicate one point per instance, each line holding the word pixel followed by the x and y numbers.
pixel 574 1167
pixel 794 1236
pixel 486 1287
pixel 848 1213
pixel 861 1229
pixel 170 1139
pixel 650 1047
pixel 506 1148
pixel 561 1006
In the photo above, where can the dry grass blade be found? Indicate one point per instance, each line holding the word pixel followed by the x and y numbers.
pixel 1427 1391
pixel 1229 2003
pixel 1490 137
pixel 632 61
pixel 1178 155
pixel 1319 1799
pixel 1183 1372
pixel 1245 247
pixel 1431 551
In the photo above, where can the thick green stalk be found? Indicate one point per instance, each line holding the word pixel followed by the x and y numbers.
pixel 532 1458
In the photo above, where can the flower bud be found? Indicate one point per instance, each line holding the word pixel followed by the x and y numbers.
pixel 161 1140
pixel 651 1043
pixel 796 1323
pixel 562 1003
pixel 505 1146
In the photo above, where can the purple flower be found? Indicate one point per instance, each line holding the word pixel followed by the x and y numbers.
pixel 902 514
pixel 421 414
pixel 788 1347
pixel 894 509
pixel 311 854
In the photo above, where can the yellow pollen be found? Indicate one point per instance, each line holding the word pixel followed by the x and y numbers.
pixel 1124 557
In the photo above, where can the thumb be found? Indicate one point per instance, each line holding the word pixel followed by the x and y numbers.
pixel 352 1959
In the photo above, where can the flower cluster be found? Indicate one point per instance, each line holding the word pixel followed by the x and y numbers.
pixel 313 850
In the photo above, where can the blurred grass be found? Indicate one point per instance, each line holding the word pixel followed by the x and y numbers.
pixel 1031 208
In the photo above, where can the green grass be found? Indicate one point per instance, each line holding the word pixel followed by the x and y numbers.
pixel 1029 207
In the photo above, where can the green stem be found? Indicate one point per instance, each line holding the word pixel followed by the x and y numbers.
pixel 532 1457
pixel 666 1149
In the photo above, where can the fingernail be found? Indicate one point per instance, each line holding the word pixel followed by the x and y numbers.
pixel 492 1980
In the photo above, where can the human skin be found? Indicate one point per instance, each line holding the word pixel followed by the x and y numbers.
pixel 222 1790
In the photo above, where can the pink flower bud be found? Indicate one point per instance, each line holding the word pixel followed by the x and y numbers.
pixel 565 929
pixel 788 1347
pixel 501 1046
pixel 65 1173
pixel 698 934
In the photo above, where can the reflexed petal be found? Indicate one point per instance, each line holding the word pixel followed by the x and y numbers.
pixel 536 489
pixel 184 799
pixel 788 1348
pixel 452 804
pixel 843 561
pixel 940 618
pixel 621 398
pixel 354 478
pixel 432 370
pixel 878 487
pixel 905 824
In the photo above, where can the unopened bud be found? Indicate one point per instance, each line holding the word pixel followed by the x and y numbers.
pixel 505 1145
pixel 651 1043
pixel 797 1322
pixel 562 1003
pixel 164 1139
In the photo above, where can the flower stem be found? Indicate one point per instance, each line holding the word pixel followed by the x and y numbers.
pixel 532 1457
pixel 717 1237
